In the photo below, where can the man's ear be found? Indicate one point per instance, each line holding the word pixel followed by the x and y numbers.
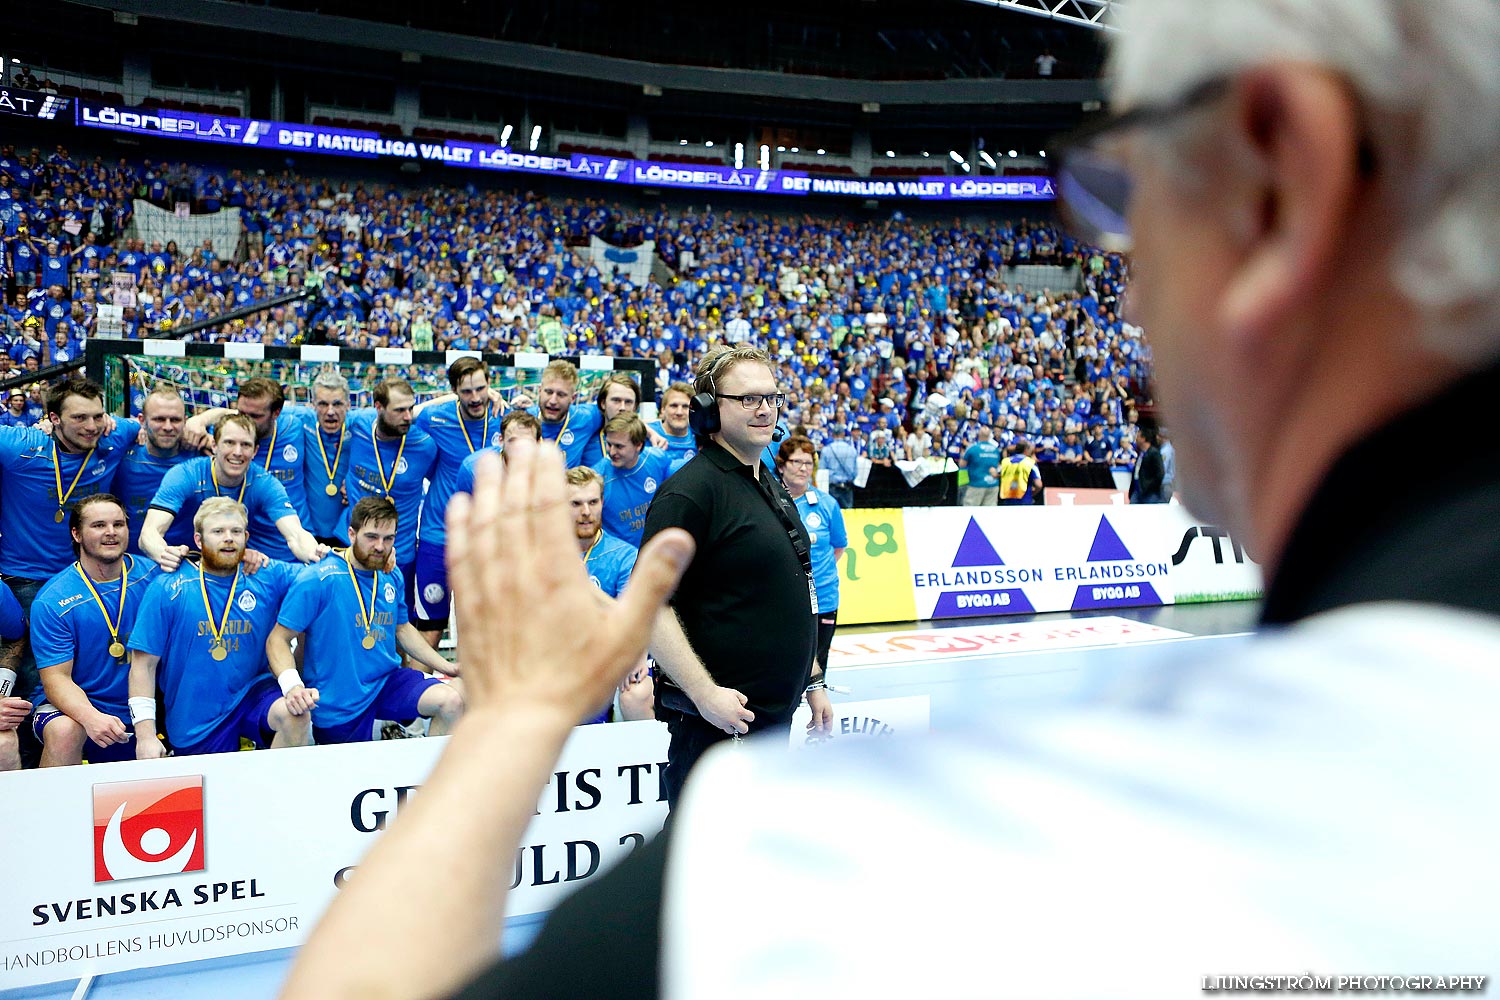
pixel 1292 206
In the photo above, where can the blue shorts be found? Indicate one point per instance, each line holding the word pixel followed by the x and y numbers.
pixel 92 752
pixel 396 701
pixel 429 601
pixel 248 720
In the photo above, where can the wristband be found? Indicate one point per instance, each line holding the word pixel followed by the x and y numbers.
pixel 817 685
pixel 7 681
pixel 142 710
pixel 289 679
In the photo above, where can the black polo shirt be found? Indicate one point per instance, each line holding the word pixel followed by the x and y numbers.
pixel 745 601
pixel 1393 522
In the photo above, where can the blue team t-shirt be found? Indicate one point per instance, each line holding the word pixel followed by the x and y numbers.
pixel 402 465
pixel 173 623
pixel 680 447
pixel 824 522
pixel 33 545
pixel 12 618
pixel 628 493
pixel 574 433
pixel 68 624
pixel 322 605
pixel 609 562
pixel 186 486
pixel 328 514
pixel 463 481
pixel 137 480
pixel 457 438
pixel 983 458
pixel 281 454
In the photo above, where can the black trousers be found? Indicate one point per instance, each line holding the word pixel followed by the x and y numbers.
pixel 690 738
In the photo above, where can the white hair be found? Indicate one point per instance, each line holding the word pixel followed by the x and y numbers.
pixel 328 378
pixel 1428 74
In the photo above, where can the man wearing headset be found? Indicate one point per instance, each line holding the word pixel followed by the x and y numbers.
pixel 736 643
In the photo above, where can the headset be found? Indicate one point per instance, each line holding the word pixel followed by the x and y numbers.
pixel 703 408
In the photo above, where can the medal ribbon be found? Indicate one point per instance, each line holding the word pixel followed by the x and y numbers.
pixel 224 618
pixel 331 469
pixel 213 472
pixel 62 498
pixel 380 467
pixel 365 617
pixel 114 626
pixel 271 449
pixel 484 439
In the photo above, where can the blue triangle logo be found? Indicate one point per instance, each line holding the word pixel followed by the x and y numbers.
pixel 976 550
pixel 1107 546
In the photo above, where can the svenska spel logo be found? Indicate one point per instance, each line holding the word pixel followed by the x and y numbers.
pixel 146 828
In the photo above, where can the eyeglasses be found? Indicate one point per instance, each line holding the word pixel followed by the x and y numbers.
pixel 752 400
pixel 800 462
pixel 1094 186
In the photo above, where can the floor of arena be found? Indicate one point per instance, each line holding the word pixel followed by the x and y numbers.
pixel 955 664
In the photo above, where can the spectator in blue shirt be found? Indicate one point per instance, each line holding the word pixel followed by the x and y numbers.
pixel 981 460
pixel 842 463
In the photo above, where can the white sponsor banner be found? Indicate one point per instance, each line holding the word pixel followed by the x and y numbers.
pixel 879 648
pixel 968 562
pixel 1018 560
pixel 1207 563
pixel 151 863
pixel 853 721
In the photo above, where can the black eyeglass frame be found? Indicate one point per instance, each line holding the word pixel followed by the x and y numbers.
pixel 1085 140
pixel 775 400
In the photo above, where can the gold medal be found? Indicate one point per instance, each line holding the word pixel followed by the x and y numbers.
pixel 116 647
pixel 216 648
pixel 62 498
pixel 331 490
pixel 366 618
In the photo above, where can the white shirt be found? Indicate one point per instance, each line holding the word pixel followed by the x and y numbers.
pixel 1315 803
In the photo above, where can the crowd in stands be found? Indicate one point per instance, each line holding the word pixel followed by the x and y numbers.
pixel 895 341
pixel 903 333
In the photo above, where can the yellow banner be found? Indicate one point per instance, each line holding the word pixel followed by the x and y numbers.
pixel 875 574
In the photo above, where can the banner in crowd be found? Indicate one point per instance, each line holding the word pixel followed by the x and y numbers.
pixel 488 156
pixel 635 261
pixel 922 563
pixel 221 229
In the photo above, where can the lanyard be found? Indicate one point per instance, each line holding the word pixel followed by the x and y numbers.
pixel 380 467
pixel 213 471
pixel 271 448
pixel 331 489
pixel 62 498
pixel 217 647
pixel 592 545
pixel 485 437
pixel 365 617
pixel 116 647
